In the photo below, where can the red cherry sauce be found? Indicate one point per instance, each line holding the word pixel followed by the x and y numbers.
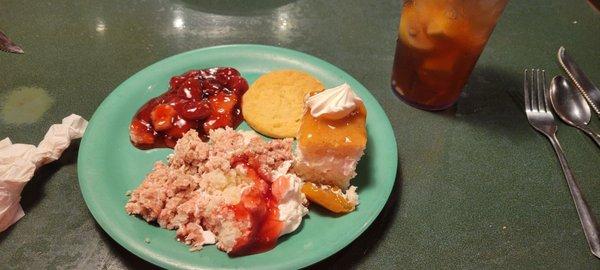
pixel 198 99
pixel 259 207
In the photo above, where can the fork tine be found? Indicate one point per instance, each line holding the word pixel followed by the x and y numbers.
pixel 526 91
pixel 532 90
pixel 545 89
pixel 540 91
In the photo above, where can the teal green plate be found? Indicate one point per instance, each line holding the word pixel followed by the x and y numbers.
pixel 109 165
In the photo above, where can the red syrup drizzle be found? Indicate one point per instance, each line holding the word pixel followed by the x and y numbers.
pixel 198 99
pixel 259 207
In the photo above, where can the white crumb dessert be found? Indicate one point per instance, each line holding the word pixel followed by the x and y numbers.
pixel 234 190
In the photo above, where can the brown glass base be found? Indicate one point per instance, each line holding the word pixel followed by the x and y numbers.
pixel 422 106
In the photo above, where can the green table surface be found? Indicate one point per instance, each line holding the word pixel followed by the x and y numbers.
pixel 477 186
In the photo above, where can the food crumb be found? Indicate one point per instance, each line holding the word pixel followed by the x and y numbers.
pixel 147 240
pixel 574 22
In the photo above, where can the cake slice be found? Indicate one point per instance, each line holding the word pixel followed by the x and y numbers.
pixel 332 137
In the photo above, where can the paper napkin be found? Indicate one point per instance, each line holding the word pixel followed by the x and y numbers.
pixel 18 162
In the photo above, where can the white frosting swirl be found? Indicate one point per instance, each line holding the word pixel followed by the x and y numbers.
pixel 334 103
pixel 287 189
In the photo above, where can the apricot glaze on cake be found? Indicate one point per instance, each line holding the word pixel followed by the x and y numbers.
pixel 331 140
pixel 332 137
pixel 234 190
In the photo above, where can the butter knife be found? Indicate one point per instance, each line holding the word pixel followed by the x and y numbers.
pixel 583 83
pixel 7 45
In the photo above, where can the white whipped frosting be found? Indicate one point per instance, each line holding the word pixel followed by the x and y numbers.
pixel 209 237
pixel 334 103
pixel 291 200
pixel 350 195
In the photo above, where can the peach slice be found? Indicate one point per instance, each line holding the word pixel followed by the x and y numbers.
pixel 331 198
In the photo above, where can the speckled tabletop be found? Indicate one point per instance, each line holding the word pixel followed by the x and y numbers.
pixel 477 187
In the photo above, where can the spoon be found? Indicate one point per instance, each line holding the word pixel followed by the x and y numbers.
pixel 571 107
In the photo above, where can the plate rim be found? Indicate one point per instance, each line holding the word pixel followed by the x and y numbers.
pixel 141 252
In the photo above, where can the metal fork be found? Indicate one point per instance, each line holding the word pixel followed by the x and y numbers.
pixel 7 45
pixel 541 118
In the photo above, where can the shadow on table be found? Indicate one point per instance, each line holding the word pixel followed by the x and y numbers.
pixel 235 7
pixel 493 99
pixel 5 233
pixel 357 250
pixel 33 192
pixel 128 259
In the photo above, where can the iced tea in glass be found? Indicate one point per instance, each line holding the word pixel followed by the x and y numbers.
pixel 439 42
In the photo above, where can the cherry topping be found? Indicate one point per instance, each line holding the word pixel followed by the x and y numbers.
pixel 222 79
pixel 141 133
pixel 198 99
pixel 180 127
pixel 222 106
pixel 190 89
pixel 223 103
pixel 228 72
pixel 162 117
pixel 176 81
pixel 192 74
pixel 195 109
pixel 210 87
pixel 170 99
pixel 238 85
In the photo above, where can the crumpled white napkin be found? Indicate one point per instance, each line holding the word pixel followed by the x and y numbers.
pixel 19 161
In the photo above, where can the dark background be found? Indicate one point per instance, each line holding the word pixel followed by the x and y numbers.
pixel 477 187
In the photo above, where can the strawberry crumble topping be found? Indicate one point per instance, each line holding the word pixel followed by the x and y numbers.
pixel 234 190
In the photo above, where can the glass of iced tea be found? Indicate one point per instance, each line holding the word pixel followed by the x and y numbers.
pixel 439 42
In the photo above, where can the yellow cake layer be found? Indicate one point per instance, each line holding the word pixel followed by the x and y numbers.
pixel 342 137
